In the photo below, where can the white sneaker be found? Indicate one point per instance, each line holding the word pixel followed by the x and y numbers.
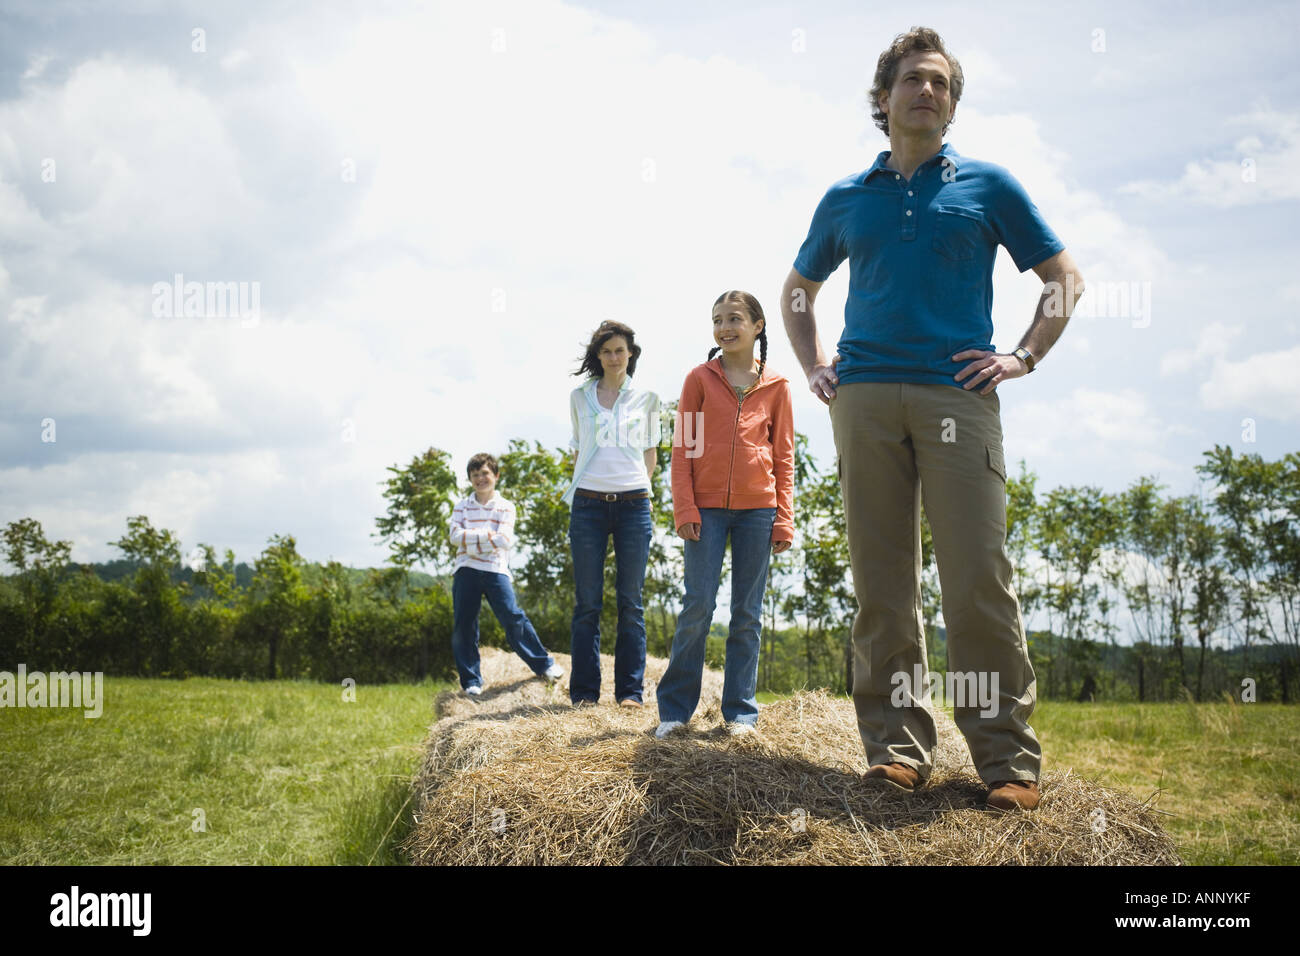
pixel 554 672
pixel 667 727
pixel 474 690
pixel 740 730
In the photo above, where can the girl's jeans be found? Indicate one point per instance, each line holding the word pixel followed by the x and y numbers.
pixel 751 549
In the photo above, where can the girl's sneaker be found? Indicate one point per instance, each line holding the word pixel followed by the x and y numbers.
pixel 474 690
pixel 740 730
pixel 554 672
pixel 667 727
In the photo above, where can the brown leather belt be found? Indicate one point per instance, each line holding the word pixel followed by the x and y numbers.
pixel 611 495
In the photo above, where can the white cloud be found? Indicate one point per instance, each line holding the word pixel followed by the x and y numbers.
pixel 1263 385
pixel 1090 424
pixel 1260 166
pixel 1212 346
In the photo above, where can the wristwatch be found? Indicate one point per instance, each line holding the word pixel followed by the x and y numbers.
pixel 1026 356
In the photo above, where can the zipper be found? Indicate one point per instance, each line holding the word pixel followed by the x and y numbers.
pixel 735 429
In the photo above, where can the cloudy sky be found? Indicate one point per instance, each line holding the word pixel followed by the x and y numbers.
pixel 428 207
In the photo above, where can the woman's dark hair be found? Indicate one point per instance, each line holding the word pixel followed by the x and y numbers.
pixel 755 311
pixel 591 358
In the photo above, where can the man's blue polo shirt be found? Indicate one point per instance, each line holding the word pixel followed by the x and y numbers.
pixel 920 257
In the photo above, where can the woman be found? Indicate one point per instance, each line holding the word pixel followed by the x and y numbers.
pixel 616 436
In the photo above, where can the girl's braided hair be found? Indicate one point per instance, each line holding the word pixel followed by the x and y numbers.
pixel 755 312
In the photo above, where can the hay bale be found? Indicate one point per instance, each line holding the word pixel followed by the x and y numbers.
pixel 521 777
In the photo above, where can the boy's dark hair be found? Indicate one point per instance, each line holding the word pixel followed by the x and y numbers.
pixel 915 40
pixel 755 312
pixel 591 358
pixel 481 459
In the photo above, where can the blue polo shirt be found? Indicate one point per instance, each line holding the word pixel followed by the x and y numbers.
pixel 921 257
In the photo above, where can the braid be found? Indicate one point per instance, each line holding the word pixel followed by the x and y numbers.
pixel 762 350
pixel 712 352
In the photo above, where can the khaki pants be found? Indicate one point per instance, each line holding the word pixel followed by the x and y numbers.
pixel 899 444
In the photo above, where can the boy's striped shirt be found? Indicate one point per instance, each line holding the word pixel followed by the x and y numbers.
pixel 483 533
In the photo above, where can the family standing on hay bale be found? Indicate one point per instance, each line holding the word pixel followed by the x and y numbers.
pixel 915 417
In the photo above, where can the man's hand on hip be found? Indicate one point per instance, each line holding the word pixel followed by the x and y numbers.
pixel 822 380
pixel 989 369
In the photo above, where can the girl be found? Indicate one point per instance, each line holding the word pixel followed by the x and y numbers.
pixel 741 485
pixel 616 437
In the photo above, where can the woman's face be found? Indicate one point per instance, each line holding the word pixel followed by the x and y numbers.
pixel 734 330
pixel 614 355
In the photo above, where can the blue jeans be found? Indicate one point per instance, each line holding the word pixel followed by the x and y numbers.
pixel 591 522
pixel 469 587
pixel 751 550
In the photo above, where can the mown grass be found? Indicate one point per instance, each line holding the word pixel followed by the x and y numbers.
pixel 1228 772
pixel 283 772
pixel 286 772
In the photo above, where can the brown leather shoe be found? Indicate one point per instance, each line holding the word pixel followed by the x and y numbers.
pixel 896 774
pixel 1013 794
pixel 629 702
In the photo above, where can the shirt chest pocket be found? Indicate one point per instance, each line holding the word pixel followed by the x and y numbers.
pixel 958 233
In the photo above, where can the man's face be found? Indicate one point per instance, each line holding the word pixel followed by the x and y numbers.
pixel 483 480
pixel 920 101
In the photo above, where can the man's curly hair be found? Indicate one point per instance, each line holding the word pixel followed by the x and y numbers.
pixel 915 40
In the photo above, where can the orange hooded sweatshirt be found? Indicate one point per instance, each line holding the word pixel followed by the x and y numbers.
pixel 734 454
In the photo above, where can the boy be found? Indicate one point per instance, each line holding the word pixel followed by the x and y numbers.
pixel 482 528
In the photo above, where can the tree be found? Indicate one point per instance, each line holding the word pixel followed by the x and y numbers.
pixel 1209 587
pixel 41 565
pixel 824 600
pixel 420 502
pixel 278 597
pixel 156 553
pixel 1023 533
pixel 1260 503
pixel 533 478
pixel 1077 524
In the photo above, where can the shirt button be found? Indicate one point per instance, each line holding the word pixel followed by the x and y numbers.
pixel 896 176
pixel 909 192
pixel 909 212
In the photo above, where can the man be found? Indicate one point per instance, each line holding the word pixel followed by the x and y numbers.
pixel 916 416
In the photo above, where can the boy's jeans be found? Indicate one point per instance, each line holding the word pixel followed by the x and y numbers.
pixel 469 587
pixel 591 522
pixel 751 550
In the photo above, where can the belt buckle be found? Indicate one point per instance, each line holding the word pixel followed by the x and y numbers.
pixel 611 496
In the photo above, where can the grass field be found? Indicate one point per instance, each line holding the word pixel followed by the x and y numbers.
pixel 283 772
pixel 287 772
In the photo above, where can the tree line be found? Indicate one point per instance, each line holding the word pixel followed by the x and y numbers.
pixel 1141 595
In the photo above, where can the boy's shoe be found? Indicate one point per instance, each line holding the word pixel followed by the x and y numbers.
pixel 738 729
pixel 629 702
pixel 667 727
pixel 583 703
pixel 474 690
pixel 554 672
